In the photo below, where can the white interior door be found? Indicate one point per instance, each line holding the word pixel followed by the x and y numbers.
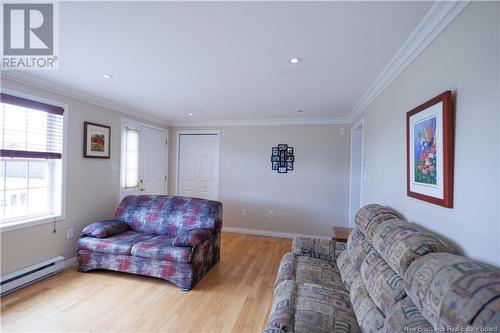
pixel 198 168
pixel 357 162
pixel 144 160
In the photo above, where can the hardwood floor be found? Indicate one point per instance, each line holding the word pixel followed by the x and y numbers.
pixel 235 296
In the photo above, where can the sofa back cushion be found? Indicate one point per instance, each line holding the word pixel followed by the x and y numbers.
pixel 358 248
pixel 453 291
pixel 400 243
pixel 369 217
pixel 169 215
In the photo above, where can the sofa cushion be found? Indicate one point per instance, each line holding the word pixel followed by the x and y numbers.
pixel 451 290
pixel 384 285
pixel 160 247
pixel 105 228
pixel 405 317
pixel 169 215
pixel 325 249
pixel 358 248
pixel 346 269
pixel 118 244
pixel 370 216
pixel 400 243
pixel 312 270
pixel 192 237
pixel 369 316
pixel 322 309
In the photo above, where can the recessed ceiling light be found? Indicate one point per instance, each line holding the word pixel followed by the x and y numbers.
pixel 106 76
pixel 190 114
pixel 294 60
pixel 300 111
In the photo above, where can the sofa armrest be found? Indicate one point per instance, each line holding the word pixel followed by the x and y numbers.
pixel 317 248
pixel 105 228
pixel 192 237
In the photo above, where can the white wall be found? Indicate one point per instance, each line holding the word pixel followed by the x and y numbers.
pixel 92 187
pixel 464 58
pixel 308 200
pixel 356 160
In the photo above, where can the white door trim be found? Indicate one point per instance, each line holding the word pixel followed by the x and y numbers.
pixel 177 154
pixel 355 126
pixel 137 124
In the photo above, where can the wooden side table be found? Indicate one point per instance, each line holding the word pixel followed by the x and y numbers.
pixel 340 234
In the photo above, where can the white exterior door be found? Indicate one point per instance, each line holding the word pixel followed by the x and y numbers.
pixel 198 173
pixel 145 160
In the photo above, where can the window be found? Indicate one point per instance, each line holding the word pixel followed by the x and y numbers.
pixel 31 145
pixel 131 158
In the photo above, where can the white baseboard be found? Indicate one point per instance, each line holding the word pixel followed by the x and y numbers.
pixel 72 262
pixel 269 233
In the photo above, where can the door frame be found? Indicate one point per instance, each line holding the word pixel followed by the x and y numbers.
pixel 361 124
pixel 138 124
pixel 178 151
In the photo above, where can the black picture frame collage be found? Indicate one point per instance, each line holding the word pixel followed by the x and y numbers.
pixel 282 158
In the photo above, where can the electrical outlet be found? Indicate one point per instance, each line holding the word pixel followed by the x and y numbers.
pixel 69 233
pixel 270 214
pixel 243 212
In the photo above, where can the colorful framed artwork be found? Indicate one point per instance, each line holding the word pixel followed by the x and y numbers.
pixel 96 140
pixel 429 151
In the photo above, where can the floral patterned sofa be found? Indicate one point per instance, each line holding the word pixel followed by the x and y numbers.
pixel 391 276
pixel 169 237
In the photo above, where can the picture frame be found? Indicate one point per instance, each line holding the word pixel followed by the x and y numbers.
pixel 282 146
pixel 430 150
pixel 282 170
pixel 289 166
pixel 289 150
pixel 275 166
pixel 96 140
pixel 275 151
pixel 275 158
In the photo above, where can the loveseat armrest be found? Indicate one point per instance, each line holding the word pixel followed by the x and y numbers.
pixel 193 237
pixel 105 228
pixel 325 249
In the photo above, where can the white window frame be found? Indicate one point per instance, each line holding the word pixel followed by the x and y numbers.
pixel 30 221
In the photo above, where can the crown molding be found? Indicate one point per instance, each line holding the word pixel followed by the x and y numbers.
pixel 53 87
pixel 434 22
pixel 264 122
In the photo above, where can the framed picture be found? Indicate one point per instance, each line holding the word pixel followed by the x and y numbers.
pixel 96 140
pixel 275 166
pixel 275 158
pixel 275 151
pixel 429 151
pixel 290 158
pixel 282 146
pixel 289 166
pixel 290 150
pixel 282 169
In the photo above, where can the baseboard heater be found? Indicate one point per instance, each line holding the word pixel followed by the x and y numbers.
pixel 31 274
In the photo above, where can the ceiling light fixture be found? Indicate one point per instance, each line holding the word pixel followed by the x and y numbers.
pixel 294 60
pixel 300 111
pixel 106 76
pixel 190 114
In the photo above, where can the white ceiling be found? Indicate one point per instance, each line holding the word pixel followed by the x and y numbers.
pixel 229 60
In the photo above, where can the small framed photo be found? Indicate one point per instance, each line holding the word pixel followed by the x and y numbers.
pixel 290 158
pixel 290 150
pixel 96 140
pixel 275 158
pixel 275 165
pixel 282 146
pixel 282 170
pixel 275 151
pixel 289 165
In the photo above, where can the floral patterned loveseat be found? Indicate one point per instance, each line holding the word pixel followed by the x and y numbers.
pixel 169 237
pixel 391 276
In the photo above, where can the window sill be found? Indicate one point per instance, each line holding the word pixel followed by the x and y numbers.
pixel 10 226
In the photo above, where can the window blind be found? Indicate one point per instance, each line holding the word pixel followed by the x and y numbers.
pixel 30 129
